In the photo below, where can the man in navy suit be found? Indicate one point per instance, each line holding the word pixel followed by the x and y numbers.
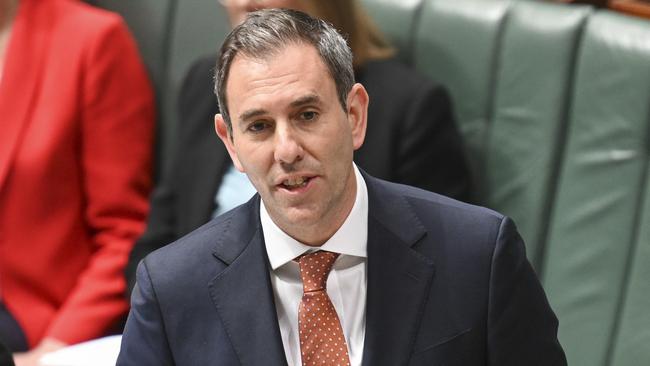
pixel 418 279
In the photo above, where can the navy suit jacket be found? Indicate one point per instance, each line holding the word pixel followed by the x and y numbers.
pixel 448 284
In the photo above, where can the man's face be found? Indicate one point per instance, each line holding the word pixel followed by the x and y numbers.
pixel 294 140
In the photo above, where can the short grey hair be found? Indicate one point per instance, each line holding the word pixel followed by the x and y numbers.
pixel 267 32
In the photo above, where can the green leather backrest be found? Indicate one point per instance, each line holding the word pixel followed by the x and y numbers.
pixel 630 346
pixel 511 110
pixel 398 20
pixel 595 218
pixel 531 98
pixel 554 105
pixel 456 44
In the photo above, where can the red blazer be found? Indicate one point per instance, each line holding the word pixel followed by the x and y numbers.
pixel 76 120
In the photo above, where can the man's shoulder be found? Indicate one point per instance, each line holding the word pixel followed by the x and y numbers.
pixel 435 210
pixel 445 230
pixel 188 251
pixel 200 245
pixel 412 193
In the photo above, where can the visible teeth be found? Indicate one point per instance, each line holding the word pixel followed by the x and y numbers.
pixel 295 182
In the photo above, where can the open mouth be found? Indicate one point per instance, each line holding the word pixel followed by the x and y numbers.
pixel 295 183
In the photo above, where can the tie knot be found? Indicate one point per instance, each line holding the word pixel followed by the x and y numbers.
pixel 314 269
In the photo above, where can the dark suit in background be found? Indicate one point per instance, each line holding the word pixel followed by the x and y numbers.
pixel 438 293
pixel 5 356
pixel 411 138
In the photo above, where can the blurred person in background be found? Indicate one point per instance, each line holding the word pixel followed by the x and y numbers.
pixel 412 137
pixel 77 113
pixel 5 356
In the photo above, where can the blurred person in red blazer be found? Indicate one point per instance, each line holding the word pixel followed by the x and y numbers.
pixel 76 111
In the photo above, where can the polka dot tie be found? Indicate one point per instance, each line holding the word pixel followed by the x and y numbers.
pixel 321 336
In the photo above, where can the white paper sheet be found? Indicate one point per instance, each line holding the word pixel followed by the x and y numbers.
pixel 98 352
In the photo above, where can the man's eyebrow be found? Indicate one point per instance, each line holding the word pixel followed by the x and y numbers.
pixel 251 113
pixel 307 99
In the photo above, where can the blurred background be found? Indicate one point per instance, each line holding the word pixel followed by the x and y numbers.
pixel 553 102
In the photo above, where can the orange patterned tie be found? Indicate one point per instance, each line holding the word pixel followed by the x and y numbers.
pixel 321 336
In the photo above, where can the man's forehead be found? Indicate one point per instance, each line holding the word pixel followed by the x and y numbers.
pixel 292 57
pixel 269 52
pixel 296 74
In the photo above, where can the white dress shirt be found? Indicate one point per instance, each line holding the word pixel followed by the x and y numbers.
pixel 346 284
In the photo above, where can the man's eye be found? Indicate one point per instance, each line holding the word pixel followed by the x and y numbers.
pixel 308 116
pixel 257 126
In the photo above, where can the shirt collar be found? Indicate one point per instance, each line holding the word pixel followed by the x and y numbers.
pixel 350 239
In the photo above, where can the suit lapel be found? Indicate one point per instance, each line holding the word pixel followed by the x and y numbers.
pixel 399 278
pixel 242 292
pixel 26 52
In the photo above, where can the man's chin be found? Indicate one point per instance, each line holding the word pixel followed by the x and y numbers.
pixel 301 217
pixel 295 220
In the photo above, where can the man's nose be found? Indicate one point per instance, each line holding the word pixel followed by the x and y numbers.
pixel 288 148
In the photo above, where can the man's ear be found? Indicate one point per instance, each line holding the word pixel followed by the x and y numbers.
pixel 225 136
pixel 358 114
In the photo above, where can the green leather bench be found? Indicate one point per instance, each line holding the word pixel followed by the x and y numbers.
pixel 554 104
